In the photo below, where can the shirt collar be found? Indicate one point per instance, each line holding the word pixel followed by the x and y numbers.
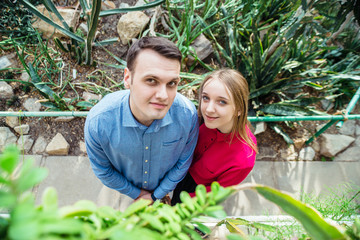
pixel 128 119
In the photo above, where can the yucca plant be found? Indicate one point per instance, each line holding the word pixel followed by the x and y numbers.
pixel 92 13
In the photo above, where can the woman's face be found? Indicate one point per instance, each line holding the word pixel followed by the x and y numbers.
pixel 217 106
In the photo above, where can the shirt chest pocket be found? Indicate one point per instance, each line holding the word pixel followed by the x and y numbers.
pixel 170 152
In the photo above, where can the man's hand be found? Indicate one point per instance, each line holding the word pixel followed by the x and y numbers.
pixel 144 195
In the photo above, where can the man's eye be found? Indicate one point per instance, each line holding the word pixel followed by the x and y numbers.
pixel 173 84
pixel 151 80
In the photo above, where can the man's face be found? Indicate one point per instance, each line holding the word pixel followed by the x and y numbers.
pixel 153 86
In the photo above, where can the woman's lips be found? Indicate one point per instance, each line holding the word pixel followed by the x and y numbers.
pixel 210 118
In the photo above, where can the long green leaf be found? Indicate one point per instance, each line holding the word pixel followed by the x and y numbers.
pixel 131 9
pixel 281 132
pixel 287 109
pixel 45 90
pixel 53 9
pixel 36 12
pixel 312 221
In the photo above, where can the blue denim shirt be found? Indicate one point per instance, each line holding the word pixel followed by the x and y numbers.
pixel 128 156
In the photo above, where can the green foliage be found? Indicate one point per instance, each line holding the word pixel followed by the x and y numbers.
pixel 81 47
pixel 84 220
pixel 15 22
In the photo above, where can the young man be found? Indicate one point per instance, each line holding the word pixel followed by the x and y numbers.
pixel 140 141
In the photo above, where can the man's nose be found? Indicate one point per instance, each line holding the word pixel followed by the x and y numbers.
pixel 161 93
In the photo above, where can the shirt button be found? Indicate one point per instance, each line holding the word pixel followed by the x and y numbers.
pixel 145 172
pixel 146 160
pixel 145 182
pixel 146 148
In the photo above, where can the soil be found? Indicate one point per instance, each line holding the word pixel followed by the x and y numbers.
pixel 73 130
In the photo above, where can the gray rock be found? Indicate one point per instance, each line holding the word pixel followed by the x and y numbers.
pixel 307 154
pixel 260 128
pixel 357 130
pixel 327 104
pixel 25 77
pixel 12 121
pixel 6 90
pixel 289 154
pixel 266 153
pixel 357 141
pixel 348 128
pixel 22 129
pixel 315 145
pixel 6 138
pixel 58 146
pixel 25 143
pixel 202 47
pixel 82 146
pixel 39 146
pixel 64 119
pixel 351 154
pixel 124 5
pixel 84 28
pixel 32 105
pixel 4 62
pixel 332 144
pixel 70 16
pixel 107 5
pixel 91 96
pixel 131 24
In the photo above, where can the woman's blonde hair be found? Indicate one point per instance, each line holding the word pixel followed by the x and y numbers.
pixel 238 88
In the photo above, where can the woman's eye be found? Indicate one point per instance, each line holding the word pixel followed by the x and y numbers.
pixel 222 102
pixel 205 98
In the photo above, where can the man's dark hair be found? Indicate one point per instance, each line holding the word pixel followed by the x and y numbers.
pixel 161 45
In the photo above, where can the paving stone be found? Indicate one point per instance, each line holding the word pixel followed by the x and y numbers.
pixel 73 179
pixel 292 177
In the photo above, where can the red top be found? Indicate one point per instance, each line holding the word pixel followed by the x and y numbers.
pixel 217 160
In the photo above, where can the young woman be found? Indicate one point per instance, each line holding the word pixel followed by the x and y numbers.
pixel 226 148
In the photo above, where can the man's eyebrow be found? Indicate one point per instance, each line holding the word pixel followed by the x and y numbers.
pixel 156 77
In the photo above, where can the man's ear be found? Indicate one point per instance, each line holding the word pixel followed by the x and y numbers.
pixel 127 78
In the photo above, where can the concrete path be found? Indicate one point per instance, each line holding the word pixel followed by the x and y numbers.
pixel 74 180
